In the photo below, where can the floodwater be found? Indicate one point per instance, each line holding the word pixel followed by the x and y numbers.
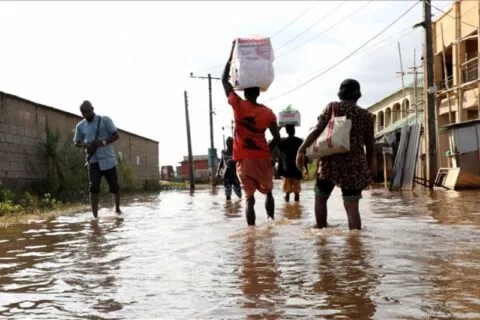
pixel 182 256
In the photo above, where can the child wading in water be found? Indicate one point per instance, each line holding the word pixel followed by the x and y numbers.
pixel 230 179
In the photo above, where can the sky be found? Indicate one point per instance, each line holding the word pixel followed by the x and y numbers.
pixel 133 59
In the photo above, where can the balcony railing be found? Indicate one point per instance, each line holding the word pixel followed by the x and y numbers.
pixel 470 70
pixel 442 85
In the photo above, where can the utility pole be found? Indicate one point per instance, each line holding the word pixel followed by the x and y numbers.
pixel 431 109
pixel 402 74
pixel 415 84
pixel 211 154
pixel 189 142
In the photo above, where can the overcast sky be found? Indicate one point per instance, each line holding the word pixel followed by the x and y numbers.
pixel 132 59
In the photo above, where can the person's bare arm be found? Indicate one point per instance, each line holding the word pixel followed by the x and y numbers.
pixel 273 127
pixel 369 140
pixel 227 86
pixel 317 130
pixel 219 167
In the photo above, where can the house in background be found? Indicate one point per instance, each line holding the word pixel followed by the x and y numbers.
pixel 391 114
pixel 202 172
pixel 23 130
pixel 457 96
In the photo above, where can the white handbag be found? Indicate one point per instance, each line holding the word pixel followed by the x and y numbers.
pixel 334 139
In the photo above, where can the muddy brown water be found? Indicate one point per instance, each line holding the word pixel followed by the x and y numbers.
pixel 182 256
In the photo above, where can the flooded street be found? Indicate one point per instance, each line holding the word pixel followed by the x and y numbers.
pixel 182 256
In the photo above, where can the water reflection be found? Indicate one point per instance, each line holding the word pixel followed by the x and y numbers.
pixel 177 256
pixel 292 211
pixel 259 276
pixel 233 209
pixel 50 262
pixel 454 207
pixel 345 278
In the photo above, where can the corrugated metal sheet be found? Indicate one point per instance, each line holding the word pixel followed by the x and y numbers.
pixel 406 159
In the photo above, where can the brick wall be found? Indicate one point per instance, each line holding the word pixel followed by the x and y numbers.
pixel 22 131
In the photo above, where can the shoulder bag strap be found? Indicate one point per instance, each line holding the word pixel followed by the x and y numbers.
pixel 96 137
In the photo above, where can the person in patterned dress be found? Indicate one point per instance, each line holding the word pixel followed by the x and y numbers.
pixel 350 171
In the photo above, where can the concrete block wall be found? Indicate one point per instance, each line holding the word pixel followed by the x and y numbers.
pixel 23 131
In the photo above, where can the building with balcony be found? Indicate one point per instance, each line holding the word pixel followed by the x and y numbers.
pixel 456 47
pixel 402 107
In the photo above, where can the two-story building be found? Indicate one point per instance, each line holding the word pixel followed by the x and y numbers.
pixel 391 114
pixel 456 46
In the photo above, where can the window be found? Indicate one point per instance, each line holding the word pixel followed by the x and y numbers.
pixel 120 156
pixel 138 160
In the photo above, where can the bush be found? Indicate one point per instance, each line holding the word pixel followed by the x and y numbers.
pixel 67 178
pixel 5 194
pixel 126 176
pixel 8 207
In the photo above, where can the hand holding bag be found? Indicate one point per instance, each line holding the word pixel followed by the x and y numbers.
pixel 334 139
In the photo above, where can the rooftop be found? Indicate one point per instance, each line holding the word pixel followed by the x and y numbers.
pixel 14 97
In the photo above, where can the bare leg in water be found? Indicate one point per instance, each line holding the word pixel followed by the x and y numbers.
pixel 250 211
pixel 116 198
pixel 270 205
pixel 321 211
pixel 353 214
pixel 94 202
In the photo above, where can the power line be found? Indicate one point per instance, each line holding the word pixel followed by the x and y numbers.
pixel 271 37
pixel 313 25
pixel 295 19
pixel 348 56
pixel 326 30
pixel 440 10
pixel 395 36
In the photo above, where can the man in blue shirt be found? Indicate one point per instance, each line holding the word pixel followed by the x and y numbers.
pixel 96 134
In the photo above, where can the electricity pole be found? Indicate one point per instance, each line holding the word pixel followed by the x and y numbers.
pixel 430 91
pixel 210 109
pixel 189 142
pixel 431 110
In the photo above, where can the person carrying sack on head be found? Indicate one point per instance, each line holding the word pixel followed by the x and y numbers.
pixel 287 168
pixel 96 134
pixel 250 148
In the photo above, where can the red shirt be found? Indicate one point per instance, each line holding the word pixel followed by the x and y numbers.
pixel 251 122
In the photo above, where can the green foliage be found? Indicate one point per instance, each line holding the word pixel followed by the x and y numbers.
pixel 11 203
pixel 126 176
pixel 8 207
pixel 5 194
pixel 152 185
pixel 67 177
pixel 312 171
